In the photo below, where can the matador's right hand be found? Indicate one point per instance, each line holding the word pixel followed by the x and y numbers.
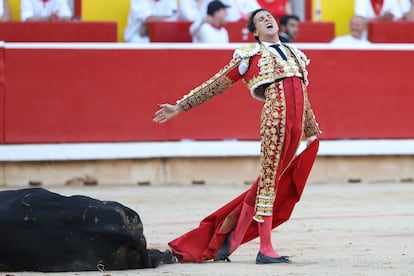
pixel 166 112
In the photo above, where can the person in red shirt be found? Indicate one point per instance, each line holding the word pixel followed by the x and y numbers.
pixel 278 8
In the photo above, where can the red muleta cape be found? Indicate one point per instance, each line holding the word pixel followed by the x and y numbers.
pixel 202 243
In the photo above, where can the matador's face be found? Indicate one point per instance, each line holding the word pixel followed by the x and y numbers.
pixel 266 26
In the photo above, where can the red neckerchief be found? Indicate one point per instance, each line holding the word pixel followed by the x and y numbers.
pixel 44 2
pixel 215 26
pixel 377 6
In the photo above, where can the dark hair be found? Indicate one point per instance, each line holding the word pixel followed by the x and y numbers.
pixel 214 6
pixel 285 19
pixel 250 23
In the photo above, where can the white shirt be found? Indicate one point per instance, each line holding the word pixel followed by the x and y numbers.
pixel 364 8
pixel 405 6
pixel 350 40
pixel 203 32
pixel 140 10
pixel 190 11
pixel 37 8
pixel 273 50
pixel 1 7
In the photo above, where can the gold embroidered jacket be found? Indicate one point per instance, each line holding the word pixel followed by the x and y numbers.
pixel 261 71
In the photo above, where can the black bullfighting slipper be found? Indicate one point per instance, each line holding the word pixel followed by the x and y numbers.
pixel 223 252
pixel 263 259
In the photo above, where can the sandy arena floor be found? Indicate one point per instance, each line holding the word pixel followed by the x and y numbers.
pixel 336 229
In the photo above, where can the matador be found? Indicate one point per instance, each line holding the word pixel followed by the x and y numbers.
pixel 276 74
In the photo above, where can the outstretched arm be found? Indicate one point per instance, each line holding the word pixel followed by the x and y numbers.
pixel 215 86
pixel 166 113
pixel 210 88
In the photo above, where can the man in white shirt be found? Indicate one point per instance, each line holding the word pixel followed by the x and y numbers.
pixel 357 27
pixel 44 10
pixel 210 29
pixel 378 9
pixel 143 10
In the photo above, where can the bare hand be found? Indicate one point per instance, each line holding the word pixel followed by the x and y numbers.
pixel 54 16
pixel 387 16
pixel 166 112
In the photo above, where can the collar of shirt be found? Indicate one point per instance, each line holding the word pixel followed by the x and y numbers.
pixel 273 50
pixel 215 26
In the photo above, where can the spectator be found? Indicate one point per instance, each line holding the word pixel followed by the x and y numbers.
pixel 141 11
pixel 45 10
pixel 357 26
pixel 240 9
pixel 210 29
pixel 289 28
pixel 278 8
pixel 5 13
pixel 407 8
pixel 378 9
pixel 191 10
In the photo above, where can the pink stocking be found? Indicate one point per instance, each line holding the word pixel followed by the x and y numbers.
pixel 265 234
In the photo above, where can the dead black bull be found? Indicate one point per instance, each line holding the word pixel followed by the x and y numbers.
pixel 45 231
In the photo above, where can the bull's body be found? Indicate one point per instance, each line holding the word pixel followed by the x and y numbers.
pixel 45 231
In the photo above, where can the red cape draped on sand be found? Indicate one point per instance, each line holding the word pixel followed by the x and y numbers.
pixel 201 244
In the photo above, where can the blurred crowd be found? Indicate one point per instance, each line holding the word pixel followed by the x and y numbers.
pixel 209 17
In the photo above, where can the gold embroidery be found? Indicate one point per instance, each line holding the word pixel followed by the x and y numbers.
pixel 273 127
pixel 210 88
pixel 272 132
pixel 273 119
pixel 310 126
pixel 273 68
pixel 287 68
pixel 247 51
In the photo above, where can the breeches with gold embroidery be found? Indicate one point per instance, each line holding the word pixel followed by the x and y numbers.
pixel 280 131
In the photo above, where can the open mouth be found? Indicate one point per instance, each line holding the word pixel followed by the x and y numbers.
pixel 269 26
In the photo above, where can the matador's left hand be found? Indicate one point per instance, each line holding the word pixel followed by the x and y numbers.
pixel 166 112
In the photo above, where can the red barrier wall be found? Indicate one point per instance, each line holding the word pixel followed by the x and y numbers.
pixel 363 94
pixel 59 31
pixel 391 32
pixel 86 95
